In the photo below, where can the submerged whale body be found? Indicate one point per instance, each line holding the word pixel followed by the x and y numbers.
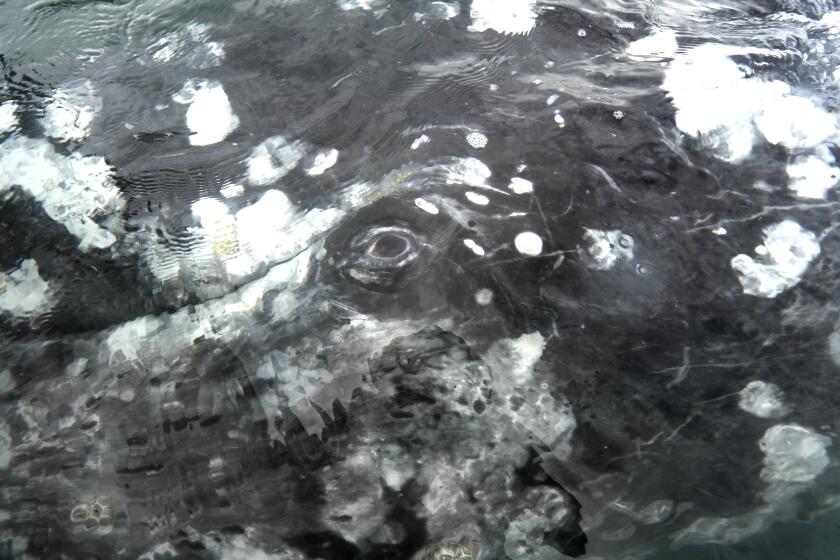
pixel 417 280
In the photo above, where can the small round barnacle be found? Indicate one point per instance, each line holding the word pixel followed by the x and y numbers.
pixel 102 510
pixel 79 514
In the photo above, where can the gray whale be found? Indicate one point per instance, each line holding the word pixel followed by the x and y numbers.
pixel 410 280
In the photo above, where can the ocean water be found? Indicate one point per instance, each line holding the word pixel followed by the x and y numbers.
pixel 416 279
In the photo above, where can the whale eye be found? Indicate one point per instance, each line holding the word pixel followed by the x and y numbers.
pixel 389 245
pixel 385 258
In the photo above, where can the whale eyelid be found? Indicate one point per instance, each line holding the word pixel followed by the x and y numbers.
pixel 367 244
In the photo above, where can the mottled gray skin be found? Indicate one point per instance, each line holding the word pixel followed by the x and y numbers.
pixel 188 439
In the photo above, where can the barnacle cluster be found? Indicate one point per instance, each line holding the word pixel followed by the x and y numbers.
pixel 466 548
pixel 100 513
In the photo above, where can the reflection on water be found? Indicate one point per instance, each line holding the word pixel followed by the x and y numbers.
pixel 419 279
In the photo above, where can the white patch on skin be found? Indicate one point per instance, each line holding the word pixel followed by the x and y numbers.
pixel 559 119
pixel 658 46
pixel 8 118
pixel 273 159
pixel 811 177
pixel 232 248
pixel 233 190
pixel 720 231
pixel 528 243
pixel 606 248
pixel 521 186
pixel 552 99
pixel 395 468
pixel 323 161
pixel 210 117
pixel 476 140
pixel 793 454
pixel 782 261
pixel 70 113
pixel 23 293
pixel 158 341
pixel 484 296
pixel 367 5
pixel 419 141
pixel 268 233
pixel 510 16
pixel 764 400
pixel 795 122
pixel 236 547
pixel 476 198
pixel 426 206
pixel 72 190
pixel 440 10
pixel 513 362
pixel 717 102
pixel 468 171
pixel 474 247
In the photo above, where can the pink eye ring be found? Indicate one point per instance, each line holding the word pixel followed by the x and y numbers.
pixel 388 245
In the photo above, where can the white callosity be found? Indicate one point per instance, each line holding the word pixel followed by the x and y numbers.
pixel 762 399
pixel 793 453
pixel 23 293
pixel 323 161
pixel 69 114
pixel 719 102
pixel 511 16
pixel 73 190
pixel 210 116
pixel 661 44
pixel 273 159
pixel 812 177
pixel 782 260
pixel 8 117
pixel 608 247
pixel 528 243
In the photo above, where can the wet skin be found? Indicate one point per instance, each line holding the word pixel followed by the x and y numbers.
pixel 357 401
